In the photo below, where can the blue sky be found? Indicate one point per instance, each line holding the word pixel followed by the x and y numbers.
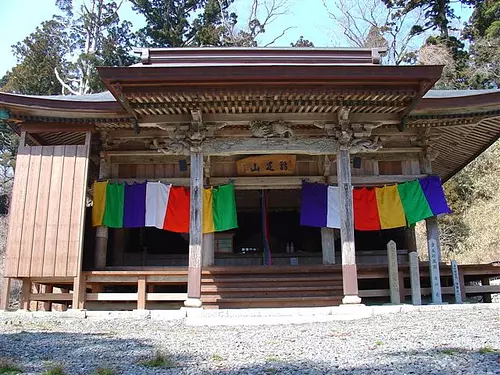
pixel 18 18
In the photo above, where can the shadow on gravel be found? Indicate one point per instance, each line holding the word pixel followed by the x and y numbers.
pixel 77 353
pixel 84 353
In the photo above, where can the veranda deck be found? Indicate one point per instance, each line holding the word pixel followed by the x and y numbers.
pixel 250 286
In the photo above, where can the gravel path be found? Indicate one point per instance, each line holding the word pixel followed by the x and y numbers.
pixel 431 342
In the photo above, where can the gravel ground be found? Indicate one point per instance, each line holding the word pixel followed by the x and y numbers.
pixel 432 342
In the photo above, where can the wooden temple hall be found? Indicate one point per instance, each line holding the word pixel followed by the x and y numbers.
pixel 223 144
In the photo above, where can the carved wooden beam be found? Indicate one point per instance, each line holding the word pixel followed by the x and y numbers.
pixel 245 118
pixel 252 146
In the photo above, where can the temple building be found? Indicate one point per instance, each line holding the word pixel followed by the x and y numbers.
pixel 236 178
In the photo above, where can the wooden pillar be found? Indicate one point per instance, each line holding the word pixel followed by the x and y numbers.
pixel 461 277
pixel 392 262
pixel 80 280
pixel 328 245
pixel 101 234
pixel 195 229
pixel 208 249
pixel 120 237
pixel 486 296
pixel 433 246
pixel 141 293
pixel 25 294
pixel 47 305
pixel 5 297
pixel 349 271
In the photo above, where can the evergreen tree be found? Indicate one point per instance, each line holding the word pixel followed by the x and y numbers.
pixel 483 32
pixel 38 55
pixel 182 23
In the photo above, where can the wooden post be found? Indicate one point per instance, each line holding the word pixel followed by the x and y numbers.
pixel 456 282
pixel 141 293
pixel 416 294
pixel 101 234
pixel 328 245
pixel 349 271
pixel 119 241
pixel 195 230
pixel 486 296
pixel 392 262
pixel 80 280
pixel 208 249
pixel 5 298
pixel 35 289
pixel 462 284
pixel 25 294
pixel 411 240
pixel 47 305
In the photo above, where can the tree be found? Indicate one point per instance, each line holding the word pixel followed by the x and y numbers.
pixel 37 56
pixel 181 23
pixel 483 33
pixel 262 13
pixel 198 23
pixel 301 42
pixel 437 14
pixel 98 38
pixel 46 58
pixel 369 23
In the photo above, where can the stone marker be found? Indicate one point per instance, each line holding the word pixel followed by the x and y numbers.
pixel 392 260
pixel 416 295
pixel 456 282
pixel 434 272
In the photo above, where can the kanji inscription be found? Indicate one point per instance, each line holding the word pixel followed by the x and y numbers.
pixel 267 165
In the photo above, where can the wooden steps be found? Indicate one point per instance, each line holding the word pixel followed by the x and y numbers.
pixel 252 287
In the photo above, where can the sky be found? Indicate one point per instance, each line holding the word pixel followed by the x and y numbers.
pixel 19 18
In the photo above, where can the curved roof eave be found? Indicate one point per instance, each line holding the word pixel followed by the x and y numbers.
pixel 93 105
pixel 460 101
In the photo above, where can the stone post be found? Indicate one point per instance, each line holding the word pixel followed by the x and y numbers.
pixel 433 246
pixel 456 282
pixel 416 295
pixel 392 261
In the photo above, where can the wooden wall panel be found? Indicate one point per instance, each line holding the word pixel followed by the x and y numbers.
pixel 65 211
pixel 49 259
pixel 42 209
pixel 75 233
pixel 17 212
pixel 45 235
pixel 30 212
pixel 149 171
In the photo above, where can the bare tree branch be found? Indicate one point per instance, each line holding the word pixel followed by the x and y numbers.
pixel 279 36
pixel 369 23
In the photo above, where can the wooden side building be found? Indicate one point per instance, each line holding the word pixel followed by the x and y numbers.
pixel 197 117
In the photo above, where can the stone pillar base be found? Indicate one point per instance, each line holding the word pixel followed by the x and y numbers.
pixel 192 302
pixel 351 300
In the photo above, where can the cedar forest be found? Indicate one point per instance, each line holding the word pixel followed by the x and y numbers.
pixel 60 56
